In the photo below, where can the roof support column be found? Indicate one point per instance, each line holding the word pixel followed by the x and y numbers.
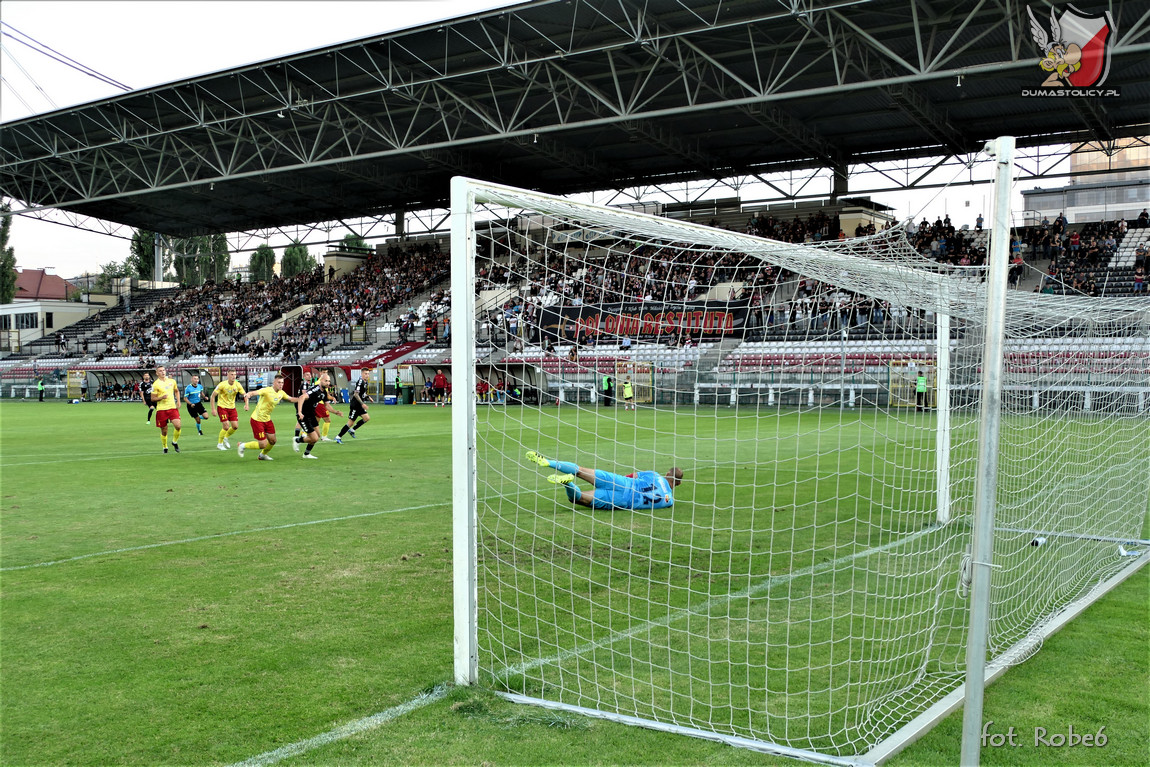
pixel 839 182
pixel 400 222
pixel 158 257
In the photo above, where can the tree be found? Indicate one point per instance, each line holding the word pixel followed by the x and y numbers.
pixel 108 273
pixel 185 260
pixel 262 263
pixel 201 258
pixel 213 259
pixel 141 258
pixel 296 260
pixel 7 258
pixel 353 242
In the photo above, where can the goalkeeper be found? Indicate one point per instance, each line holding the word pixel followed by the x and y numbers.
pixel 641 490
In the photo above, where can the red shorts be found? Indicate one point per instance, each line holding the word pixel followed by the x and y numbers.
pixel 321 410
pixel 261 429
pixel 163 416
pixel 228 414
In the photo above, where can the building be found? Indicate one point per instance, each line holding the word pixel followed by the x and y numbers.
pixel 40 307
pixel 1103 187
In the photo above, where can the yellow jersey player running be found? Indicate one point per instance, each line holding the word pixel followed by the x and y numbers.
pixel 263 428
pixel 227 391
pixel 167 399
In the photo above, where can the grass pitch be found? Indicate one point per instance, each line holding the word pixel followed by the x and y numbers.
pixel 202 609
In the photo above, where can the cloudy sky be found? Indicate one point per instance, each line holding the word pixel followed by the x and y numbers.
pixel 141 44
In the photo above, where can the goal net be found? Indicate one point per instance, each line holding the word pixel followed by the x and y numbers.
pixel 807 592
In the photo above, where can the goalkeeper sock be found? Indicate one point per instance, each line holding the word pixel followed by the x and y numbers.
pixel 564 467
pixel 572 491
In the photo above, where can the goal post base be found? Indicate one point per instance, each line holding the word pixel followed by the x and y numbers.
pixel 691 732
pixel 924 722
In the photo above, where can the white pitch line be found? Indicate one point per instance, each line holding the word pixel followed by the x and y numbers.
pixel 346 730
pixel 222 535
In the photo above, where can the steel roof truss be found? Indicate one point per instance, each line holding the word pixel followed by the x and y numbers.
pixel 941 57
pixel 876 44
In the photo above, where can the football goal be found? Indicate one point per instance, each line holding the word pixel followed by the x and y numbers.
pixel 810 590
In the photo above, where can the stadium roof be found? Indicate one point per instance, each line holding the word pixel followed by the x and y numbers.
pixel 567 96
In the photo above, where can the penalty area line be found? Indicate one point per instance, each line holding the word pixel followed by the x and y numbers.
pixel 221 535
pixel 345 731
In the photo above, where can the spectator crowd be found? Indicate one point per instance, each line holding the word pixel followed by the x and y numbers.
pixel 222 317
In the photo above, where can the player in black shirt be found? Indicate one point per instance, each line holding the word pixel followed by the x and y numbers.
pixel 146 393
pixel 359 400
pixel 313 396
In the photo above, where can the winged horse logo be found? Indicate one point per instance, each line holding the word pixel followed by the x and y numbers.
pixel 1076 50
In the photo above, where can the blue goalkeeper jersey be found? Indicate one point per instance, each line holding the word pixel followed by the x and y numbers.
pixel 644 490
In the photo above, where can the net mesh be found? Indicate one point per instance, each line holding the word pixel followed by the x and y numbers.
pixel 806 587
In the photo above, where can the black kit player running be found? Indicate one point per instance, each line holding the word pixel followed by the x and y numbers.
pixel 357 415
pixel 308 420
pixel 146 393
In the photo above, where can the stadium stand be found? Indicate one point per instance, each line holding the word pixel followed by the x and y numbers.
pixel 393 306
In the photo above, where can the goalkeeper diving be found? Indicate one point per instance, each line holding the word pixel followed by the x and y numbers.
pixel 640 490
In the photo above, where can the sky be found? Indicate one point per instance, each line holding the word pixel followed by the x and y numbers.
pixel 141 44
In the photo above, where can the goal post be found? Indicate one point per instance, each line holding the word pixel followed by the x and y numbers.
pixel 808 593
pixel 463 459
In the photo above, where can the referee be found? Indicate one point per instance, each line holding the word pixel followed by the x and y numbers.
pixel 194 401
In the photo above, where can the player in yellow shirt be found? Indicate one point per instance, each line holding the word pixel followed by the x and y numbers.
pixel 263 428
pixel 227 391
pixel 167 399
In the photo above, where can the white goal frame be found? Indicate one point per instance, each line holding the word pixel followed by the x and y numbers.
pixel 465 193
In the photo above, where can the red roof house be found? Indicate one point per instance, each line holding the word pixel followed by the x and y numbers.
pixel 38 285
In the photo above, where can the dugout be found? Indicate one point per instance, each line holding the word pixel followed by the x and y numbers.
pixel 530 380
pixel 125 378
pixel 98 380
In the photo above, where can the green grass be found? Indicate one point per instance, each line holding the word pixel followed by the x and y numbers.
pixel 256 628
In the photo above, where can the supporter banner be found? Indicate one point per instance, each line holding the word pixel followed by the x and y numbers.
pixel 647 320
